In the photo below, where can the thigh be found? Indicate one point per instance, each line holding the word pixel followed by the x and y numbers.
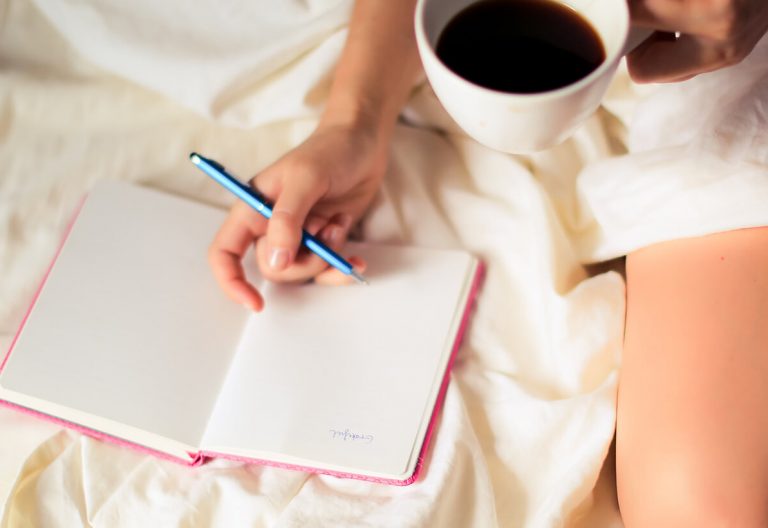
pixel 692 423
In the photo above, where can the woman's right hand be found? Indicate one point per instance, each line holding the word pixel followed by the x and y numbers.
pixel 324 186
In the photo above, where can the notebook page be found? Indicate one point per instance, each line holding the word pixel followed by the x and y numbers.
pixel 344 378
pixel 130 325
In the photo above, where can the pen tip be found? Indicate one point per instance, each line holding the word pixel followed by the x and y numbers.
pixel 359 278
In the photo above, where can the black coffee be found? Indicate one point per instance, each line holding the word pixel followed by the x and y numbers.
pixel 520 46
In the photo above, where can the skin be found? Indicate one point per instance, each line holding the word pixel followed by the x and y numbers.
pixel 692 425
pixel 692 430
pixel 713 34
pixel 326 183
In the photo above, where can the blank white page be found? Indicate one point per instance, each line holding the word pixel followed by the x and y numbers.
pixel 130 325
pixel 345 378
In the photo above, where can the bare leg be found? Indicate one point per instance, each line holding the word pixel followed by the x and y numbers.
pixel 692 431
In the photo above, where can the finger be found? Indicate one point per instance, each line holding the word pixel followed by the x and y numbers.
pixel 335 233
pixel 306 265
pixel 289 213
pixel 663 59
pixel 315 223
pixel 333 277
pixel 659 18
pixel 343 220
pixel 226 253
pixel 674 16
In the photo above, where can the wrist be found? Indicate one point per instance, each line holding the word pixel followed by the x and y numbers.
pixel 365 115
pixel 369 87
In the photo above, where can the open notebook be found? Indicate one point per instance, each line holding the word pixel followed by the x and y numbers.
pixel 130 339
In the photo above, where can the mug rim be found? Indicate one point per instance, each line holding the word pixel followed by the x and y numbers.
pixel 610 59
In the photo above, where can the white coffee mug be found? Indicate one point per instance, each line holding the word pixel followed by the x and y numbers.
pixel 520 123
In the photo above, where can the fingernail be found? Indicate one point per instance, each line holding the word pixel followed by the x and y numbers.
pixel 278 259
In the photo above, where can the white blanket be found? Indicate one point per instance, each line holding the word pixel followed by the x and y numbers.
pixel 116 90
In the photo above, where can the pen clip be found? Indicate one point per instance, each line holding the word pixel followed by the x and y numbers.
pixel 215 164
pixel 255 192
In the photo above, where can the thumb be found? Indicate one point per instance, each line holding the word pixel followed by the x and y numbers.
pixel 289 213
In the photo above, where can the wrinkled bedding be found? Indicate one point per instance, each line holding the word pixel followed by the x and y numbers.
pixel 90 91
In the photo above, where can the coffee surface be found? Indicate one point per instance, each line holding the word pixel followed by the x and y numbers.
pixel 520 46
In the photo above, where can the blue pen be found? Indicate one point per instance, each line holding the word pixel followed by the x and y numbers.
pixel 252 198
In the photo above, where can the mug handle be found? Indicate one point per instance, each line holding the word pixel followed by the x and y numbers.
pixel 637 35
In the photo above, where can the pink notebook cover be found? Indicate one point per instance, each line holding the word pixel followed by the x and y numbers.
pixel 199 458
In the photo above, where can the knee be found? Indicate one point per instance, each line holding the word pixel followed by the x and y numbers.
pixel 672 496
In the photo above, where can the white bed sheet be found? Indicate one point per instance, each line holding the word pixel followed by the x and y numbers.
pixel 525 433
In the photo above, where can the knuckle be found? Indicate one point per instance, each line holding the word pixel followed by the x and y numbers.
pixel 303 173
pixel 283 217
pixel 723 21
pixel 263 181
pixel 730 55
pixel 300 168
